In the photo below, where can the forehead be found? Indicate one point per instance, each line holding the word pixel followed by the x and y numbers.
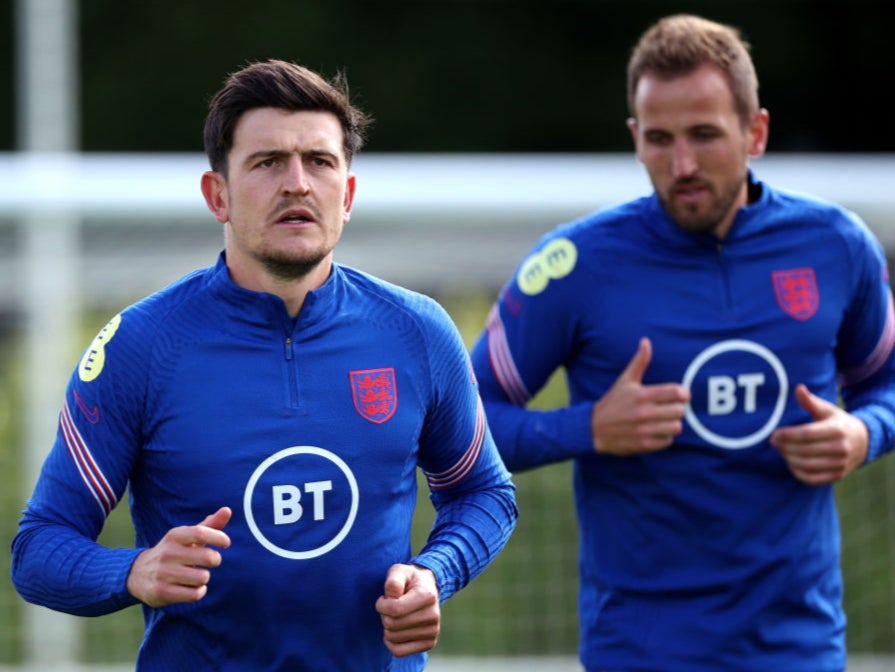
pixel 275 129
pixel 703 96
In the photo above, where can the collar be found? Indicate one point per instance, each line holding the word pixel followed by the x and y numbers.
pixel 265 311
pixel 745 221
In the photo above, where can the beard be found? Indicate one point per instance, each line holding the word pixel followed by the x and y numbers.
pixel 290 267
pixel 697 220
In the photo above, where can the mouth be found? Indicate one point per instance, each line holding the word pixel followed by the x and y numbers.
pixel 295 216
pixel 689 191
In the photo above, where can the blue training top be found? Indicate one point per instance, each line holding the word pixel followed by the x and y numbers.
pixel 709 555
pixel 206 394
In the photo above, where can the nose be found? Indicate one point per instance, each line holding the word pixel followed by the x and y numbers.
pixel 684 163
pixel 295 178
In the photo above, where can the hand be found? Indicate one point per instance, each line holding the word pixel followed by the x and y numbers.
pixel 828 448
pixel 633 418
pixel 411 614
pixel 176 569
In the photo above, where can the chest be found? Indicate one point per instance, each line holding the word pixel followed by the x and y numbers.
pixel 326 406
pixel 791 300
pixel 738 327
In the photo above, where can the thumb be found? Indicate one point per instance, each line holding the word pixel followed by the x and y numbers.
pixel 641 359
pixel 219 519
pixel 395 582
pixel 818 408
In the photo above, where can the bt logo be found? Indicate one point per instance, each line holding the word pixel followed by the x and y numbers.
pixel 301 502
pixel 287 507
pixel 728 383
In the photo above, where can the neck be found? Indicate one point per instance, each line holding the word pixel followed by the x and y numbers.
pixel 290 282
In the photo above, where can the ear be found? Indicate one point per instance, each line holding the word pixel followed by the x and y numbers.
pixel 758 133
pixel 214 189
pixel 349 198
pixel 631 123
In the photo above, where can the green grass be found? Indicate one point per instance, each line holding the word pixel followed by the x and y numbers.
pixel 11 502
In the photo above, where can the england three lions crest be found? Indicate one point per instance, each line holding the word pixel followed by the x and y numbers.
pixel 796 291
pixel 375 393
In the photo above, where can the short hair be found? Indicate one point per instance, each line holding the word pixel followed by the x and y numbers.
pixel 679 44
pixel 283 85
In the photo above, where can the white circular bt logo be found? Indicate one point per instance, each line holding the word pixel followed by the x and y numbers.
pixel 301 502
pixel 727 382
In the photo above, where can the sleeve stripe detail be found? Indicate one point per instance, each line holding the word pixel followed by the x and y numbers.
pixel 467 461
pixel 878 357
pixel 88 469
pixel 502 361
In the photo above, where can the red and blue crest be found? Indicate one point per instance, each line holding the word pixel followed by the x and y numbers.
pixel 375 393
pixel 796 291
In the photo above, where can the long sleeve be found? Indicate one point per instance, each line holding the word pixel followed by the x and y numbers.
pixel 532 331
pixel 56 561
pixel 54 567
pixel 470 486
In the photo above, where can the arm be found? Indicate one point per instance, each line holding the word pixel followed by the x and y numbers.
pixel 868 390
pixel 101 580
pixel 47 557
pixel 56 561
pixel 629 418
pixel 513 359
pixel 839 438
pixel 470 488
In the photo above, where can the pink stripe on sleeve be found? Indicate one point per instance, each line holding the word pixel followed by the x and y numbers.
pixel 502 361
pixel 87 467
pixel 878 357
pixel 467 461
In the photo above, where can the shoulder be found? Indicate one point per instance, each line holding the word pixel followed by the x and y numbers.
pixel 600 230
pixel 582 247
pixel 383 300
pixel 167 309
pixel 596 226
pixel 813 215
pixel 413 325
pixel 121 351
pixel 811 209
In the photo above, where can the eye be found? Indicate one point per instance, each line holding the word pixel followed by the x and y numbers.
pixel 267 163
pixel 657 138
pixel 706 133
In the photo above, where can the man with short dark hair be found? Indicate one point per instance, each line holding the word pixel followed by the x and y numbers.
pixel 268 415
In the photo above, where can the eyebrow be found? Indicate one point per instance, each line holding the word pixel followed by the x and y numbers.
pixel 700 127
pixel 281 153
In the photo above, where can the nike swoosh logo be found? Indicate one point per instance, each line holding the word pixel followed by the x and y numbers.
pixel 91 414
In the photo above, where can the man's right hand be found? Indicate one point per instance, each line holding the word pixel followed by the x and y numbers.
pixel 633 418
pixel 177 568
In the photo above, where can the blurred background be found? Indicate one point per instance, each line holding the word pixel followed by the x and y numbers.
pixel 457 75
pixel 495 120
